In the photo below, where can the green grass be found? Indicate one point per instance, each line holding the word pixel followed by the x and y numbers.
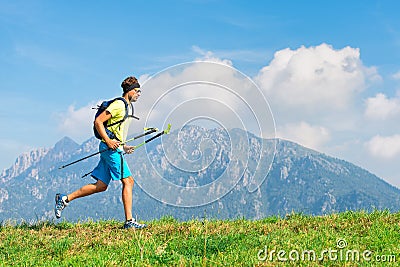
pixel 168 242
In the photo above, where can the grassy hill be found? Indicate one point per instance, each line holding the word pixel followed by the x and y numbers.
pixel 344 239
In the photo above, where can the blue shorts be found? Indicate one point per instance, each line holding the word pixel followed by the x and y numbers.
pixel 109 166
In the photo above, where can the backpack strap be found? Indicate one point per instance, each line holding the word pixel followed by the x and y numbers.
pixel 131 115
pixel 126 112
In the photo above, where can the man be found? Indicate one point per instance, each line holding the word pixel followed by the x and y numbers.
pixel 111 164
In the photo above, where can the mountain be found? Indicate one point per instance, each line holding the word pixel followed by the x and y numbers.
pixel 23 162
pixel 196 172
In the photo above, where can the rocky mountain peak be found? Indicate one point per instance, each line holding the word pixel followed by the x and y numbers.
pixel 23 162
pixel 65 143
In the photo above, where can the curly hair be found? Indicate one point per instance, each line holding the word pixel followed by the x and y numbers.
pixel 128 82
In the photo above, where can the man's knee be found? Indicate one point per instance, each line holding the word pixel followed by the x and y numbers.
pixel 100 186
pixel 128 181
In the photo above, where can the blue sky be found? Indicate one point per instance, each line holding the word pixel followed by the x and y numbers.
pixel 59 57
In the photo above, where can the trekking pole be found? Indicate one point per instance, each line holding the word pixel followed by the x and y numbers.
pixel 149 131
pixel 166 131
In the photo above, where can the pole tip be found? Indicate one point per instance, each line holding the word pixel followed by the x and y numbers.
pixel 166 131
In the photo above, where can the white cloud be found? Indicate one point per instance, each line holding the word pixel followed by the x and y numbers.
pixel 204 88
pixel 386 147
pixel 210 56
pixel 381 107
pixel 310 136
pixel 315 78
pixel 396 76
pixel 77 123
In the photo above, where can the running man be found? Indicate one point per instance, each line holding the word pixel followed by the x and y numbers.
pixel 112 165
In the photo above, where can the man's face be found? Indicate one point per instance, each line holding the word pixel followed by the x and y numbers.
pixel 134 94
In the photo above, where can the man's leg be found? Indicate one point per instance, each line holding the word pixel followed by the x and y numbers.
pixel 87 190
pixel 63 200
pixel 127 186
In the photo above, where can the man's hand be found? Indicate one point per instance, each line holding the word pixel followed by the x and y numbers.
pixel 129 149
pixel 113 144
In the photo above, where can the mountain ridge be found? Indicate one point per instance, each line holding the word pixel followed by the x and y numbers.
pixel 299 179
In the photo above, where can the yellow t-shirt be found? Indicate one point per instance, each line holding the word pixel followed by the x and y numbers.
pixel 117 111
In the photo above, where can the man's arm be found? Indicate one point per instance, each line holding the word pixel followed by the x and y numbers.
pixel 98 123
